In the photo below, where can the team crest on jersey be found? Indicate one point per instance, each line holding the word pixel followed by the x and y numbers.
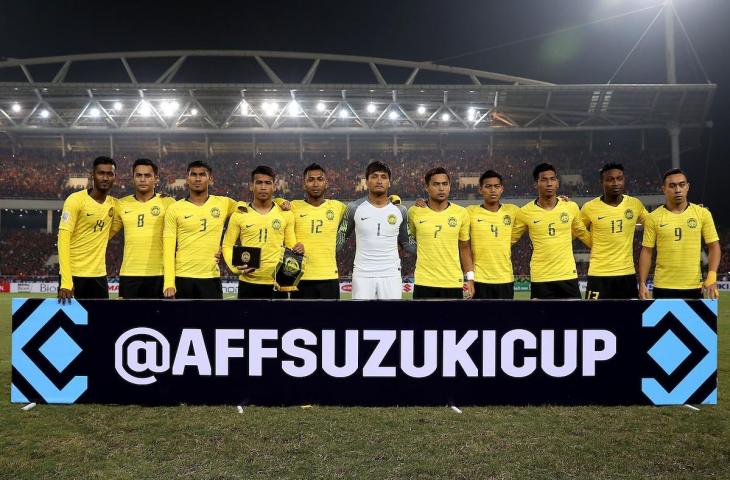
pixel 452 222
pixel 629 214
pixel 692 223
pixel 507 220
pixel 392 219
pixel 564 217
pixel 155 211
pixel 111 212
pixel 216 212
pixel 276 224
pixel 65 216
pixel 330 214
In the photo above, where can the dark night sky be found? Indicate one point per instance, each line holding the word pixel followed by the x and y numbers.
pixel 412 30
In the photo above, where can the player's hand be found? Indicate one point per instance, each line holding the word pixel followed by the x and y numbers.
pixel 709 287
pixel 285 205
pixel 298 248
pixel 421 203
pixel 564 198
pixel 469 294
pixel 711 291
pixel 65 295
pixel 644 292
pixel 169 293
pixel 394 199
pixel 244 270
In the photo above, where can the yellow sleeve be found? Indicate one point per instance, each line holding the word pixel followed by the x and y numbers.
pixel 232 205
pixel 465 225
pixel 279 201
pixel 519 227
pixel 64 259
pixel 229 240
pixel 290 237
pixel 579 228
pixel 169 245
pixel 709 232
pixel 116 222
pixel 65 230
pixel 643 213
pixel 412 222
pixel 649 239
pixel 585 216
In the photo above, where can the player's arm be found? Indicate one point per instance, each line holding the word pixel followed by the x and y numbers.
pixel 229 240
pixel 714 254
pixel 412 227
pixel 232 206
pixel 283 203
pixel 116 221
pixel 585 216
pixel 404 236
pixel 347 225
pixel 518 229
pixel 169 245
pixel 647 253
pixel 65 230
pixel 579 229
pixel 290 236
pixel 467 263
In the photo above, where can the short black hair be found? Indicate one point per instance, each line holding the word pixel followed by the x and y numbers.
pixel 376 166
pixel 610 166
pixel 490 174
pixel 103 160
pixel 674 171
pixel 435 171
pixel 200 164
pixel 313 166
pixel 543 167
pixel 263 170
pixel 145 161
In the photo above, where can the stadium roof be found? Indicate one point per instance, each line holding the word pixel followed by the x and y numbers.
pixel 257 92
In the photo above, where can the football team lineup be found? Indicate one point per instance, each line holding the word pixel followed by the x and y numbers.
pixel 287 249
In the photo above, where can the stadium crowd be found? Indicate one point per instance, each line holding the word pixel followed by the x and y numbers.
pixel 44 175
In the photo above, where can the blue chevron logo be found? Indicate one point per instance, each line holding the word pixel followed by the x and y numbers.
pixel 669 352
pixel 60 350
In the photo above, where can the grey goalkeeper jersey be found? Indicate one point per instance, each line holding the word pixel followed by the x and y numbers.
pixel 378 232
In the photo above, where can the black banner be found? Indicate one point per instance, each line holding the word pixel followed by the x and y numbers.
pixel 365 353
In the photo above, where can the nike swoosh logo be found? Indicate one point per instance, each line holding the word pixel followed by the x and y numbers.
pixel 422 221
pixel 89 214
pixel 249 226
pixel 601 218
pixel 188 216
pixel 536 221
pixel 303 214
pixel 364 218
pixel 480 220
pixel 663 225
pixel 127 211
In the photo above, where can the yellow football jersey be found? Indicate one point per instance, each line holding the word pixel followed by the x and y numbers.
pixel 491 247
pixel 677 238
pixel 192 237
pixel 551 233
pixel 143 223
pixel 437 236
pixel 612 235
pixel 268 231
pixel 83 234
pixel 316 228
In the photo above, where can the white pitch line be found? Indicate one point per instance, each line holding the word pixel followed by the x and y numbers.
pixel 456 409
pixel 28 407
pixel 691 407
